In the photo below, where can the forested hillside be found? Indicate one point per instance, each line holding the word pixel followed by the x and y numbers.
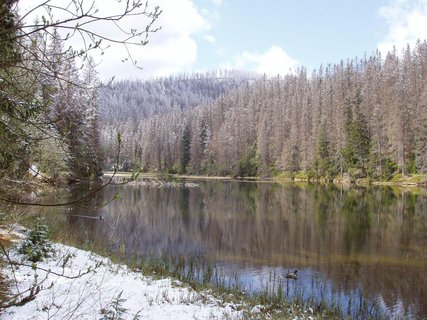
pixel 126 103
pixel 364 116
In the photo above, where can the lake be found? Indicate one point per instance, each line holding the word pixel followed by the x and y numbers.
pixel 353 246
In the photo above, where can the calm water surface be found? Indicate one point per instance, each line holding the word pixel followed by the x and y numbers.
pixel 355 245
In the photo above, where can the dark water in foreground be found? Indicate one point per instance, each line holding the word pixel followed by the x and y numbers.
pixel 350 246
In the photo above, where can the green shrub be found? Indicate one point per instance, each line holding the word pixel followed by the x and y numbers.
pixel 36 246
pixel 284 175
pixel 411 165
pixel 389 168
pixel 174 169
pixel 116 311
pixel 417 178
pixel 310 174
pixel 397 177
pixel 301 175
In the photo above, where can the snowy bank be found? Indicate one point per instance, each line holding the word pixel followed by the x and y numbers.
pixel 76 284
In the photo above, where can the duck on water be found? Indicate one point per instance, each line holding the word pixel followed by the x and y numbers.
pixel 292 275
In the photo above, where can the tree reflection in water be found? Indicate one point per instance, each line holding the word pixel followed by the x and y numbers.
pixel 370 241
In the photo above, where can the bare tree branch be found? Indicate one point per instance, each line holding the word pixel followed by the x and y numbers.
pixel 79 21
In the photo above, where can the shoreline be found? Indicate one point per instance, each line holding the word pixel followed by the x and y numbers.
pixel 340 182
pixel 79 284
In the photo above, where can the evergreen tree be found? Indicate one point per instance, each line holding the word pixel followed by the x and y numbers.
pixel 203 138
pixel 16 107
pixel 360 137
pixel 8 48
pixel 421 145
pixel 185 149
pixel 322 162
pixel 90 95
pixel 248 166
pixel 294 161
pixel 356 152
pixel 347 151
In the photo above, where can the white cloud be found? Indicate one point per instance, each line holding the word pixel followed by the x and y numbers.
pixel 217 2
pixel 272 62
pixel 406 21
pixel 209 38
pixel 170 50
pixel 211 14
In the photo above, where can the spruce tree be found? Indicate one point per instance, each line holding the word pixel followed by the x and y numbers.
pixel 347 151
pixel 203 138
pixel 322 162
pixel 16 110
pixel 248 166
pixel 360 137
pixel 356 152
pixel 421 146
pixel 185 149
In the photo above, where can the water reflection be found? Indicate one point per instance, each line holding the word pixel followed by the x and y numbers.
pixel 370 241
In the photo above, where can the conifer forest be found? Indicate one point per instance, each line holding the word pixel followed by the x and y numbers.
pixel 364 116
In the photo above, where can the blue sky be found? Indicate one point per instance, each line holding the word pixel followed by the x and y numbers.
pixel 310 32
pixel 266 36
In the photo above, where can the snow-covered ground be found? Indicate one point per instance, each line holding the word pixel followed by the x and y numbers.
pixel 76 284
